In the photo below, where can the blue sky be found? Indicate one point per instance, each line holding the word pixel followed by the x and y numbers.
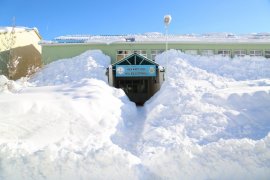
pixel 62 17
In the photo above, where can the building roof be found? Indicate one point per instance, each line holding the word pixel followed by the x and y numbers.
pixel 17 29
pixel 135 59
pixel 159 37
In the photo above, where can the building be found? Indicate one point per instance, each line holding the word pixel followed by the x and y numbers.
pixel 20 52
pixel 151 44
pixel 133 67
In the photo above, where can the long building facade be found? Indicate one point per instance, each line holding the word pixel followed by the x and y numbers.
pixel 150 45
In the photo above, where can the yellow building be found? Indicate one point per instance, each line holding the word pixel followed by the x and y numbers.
pixel 20 52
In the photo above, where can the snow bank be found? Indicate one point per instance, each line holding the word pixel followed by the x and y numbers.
pixel 64 131
pixel 8 86
pixel 201 125
pixel 210 120
pixel 90 64
pixel 238 68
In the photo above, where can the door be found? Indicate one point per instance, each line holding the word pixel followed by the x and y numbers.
pixel 136 89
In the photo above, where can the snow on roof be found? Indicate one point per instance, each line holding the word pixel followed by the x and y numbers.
pixel 17 29
pixel 159 37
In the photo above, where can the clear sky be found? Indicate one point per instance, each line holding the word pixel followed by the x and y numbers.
pixel 64 17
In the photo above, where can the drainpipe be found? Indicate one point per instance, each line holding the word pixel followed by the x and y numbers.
pixel 110 75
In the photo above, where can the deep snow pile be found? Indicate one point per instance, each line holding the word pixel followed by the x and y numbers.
pixel 8 86
pixel 203 124
pixel 90 64
pixel 238 68
pixel 63 131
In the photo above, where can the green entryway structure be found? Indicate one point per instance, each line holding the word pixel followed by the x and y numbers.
pixel 138 76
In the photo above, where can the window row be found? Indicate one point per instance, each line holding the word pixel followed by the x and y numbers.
pixel 124 53
pixel 205 52
pixel 224 52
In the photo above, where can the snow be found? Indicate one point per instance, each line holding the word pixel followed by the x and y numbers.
pixel 5 29
pixel 91 64
pixel 7 85
pixel 160 37
pixel 63 131
pixel 210 120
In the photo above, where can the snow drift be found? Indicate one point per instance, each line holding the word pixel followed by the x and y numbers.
pixel 210 120
pixel 91 64
pixel 7 85
pixel 63 131
pixel 201 125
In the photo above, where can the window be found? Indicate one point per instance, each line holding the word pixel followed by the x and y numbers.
pixel 141 52
pixel 255 53
pixel 207 52
pixel 127 52
pixel 224 52
pixel 120 54
pixel 191 51
pixel 267 53
pixel 240 53
pixel 155 52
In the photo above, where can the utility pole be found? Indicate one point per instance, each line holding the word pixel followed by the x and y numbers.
pixel 167 21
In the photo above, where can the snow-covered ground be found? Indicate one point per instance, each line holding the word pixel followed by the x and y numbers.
pixel 210 120
pixel 203 124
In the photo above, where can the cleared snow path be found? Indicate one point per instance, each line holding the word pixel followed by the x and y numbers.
pixel 129 133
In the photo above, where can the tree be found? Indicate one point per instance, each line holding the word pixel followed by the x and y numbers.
pixel 8 56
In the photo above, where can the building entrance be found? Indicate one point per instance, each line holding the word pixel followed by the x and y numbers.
pixel 139 77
